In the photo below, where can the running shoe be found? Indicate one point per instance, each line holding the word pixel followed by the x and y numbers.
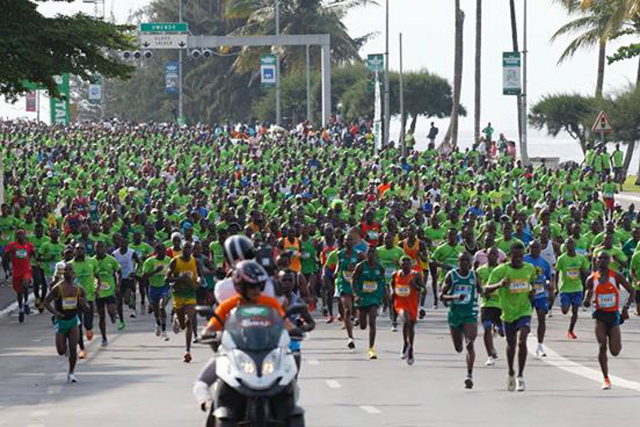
pixel 571 335
pixel 606 385
pixel 21 317
pixel 394 327
pixel 132 302
pixel 89 335
pixel 550 314
pixel 330 319
pixel 520 384
pixel 187 357
pixel 122 325
pixel 371 355
pixel 490 361
pixel 325 312
pixel 39 305
pixel 105 342
pixel 158 330
pixel 410 359
pixel 27 309
pixel 468 382
pixel 164 336
pixel 540 351
pixel 350 344
pixel 405 351
pixel 423 313
pixel 83 354
pixel 71 378
pixel 511 383
pixel 435 306
pixel 134 313
pixel 356 322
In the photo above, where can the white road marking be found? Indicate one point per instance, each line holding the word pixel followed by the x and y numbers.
pixel 37 340
pixel 14 306
pixel 333 384
pixel 45 403
pixel 313 362
pixel 370 409
pixel 35 425
pixel 575 368
pixel 39 413
pixel 60 376
pixel 54 389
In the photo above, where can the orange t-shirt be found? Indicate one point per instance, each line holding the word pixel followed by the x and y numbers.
pixel 228 305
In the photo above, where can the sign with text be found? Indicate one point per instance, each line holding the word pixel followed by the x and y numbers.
pixel 268 71
pixel 511 80
pixel 59 107
pixel 164 27
pixel 163 41
pixel 172 77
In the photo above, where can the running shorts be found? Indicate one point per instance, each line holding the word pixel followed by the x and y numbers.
pixel 63 327
pixel 18 287
pixel 490 316
pixel 510 328
pixel 181 302
pixel 541 304
pixel 104 301
pixel 573 299
pixel 156 294
pixel 610 319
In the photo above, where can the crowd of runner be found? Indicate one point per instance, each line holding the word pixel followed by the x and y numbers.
pixel 116 220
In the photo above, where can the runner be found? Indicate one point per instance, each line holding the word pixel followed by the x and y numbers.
pixel 184 274
pixel 20 252
pixel 572 270
pixel 461 289
pixel 126 257
pixel 390 256
pixel 326 246
pixel 109 273
pixel 514 281
pixel 406 285
pixel 541 290
pixel 418 252
pixel 143 250
pixel 445 257
pixel 371 291
pixel 64 301
pixel 490 310
pixel 85 271
pixel 604 286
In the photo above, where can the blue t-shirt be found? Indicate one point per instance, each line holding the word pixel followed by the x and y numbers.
pixel 544 274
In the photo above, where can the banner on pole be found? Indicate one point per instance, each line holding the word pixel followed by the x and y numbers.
pixel 268 77
pixel 377 116
pixel 59 107
pixel 95 90
pixel 31 102
pixel 511 70
pixel 172 77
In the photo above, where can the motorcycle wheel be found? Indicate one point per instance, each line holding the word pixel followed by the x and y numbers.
pixel 225 423
pixel 296 421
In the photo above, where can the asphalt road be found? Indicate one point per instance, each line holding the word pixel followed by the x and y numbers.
pixel 140 380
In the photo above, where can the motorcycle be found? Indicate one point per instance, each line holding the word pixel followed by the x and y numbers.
pixel 256 372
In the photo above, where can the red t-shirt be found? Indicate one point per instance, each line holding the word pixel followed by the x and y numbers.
pixel 20 257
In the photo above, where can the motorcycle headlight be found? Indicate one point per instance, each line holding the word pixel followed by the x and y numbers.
pixel 271 362
pixel 244 362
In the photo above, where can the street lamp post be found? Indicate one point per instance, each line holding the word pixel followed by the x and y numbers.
pixel 524 154
pixel 180 99
pixel 278 86
pixel 387 111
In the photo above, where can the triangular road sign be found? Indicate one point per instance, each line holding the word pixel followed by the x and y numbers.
pixel 602 123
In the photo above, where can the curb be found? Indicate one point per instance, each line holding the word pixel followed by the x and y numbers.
pixel 5 312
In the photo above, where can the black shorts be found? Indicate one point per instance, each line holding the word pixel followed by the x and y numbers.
pixel 490 316
pixel 128 284
pixel 610 319
pixel 102 302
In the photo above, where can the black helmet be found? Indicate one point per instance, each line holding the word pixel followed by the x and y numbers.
pixel 238 248
pixel 249 274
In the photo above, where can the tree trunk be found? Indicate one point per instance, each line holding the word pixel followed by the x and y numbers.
pixel 627 157
pixel 602 54
pixel 638 77
pixel 414 122
pixel 457 73
pixel 514 40
pixel 478 77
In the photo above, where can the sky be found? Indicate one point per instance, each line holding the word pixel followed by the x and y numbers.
pixel 428 33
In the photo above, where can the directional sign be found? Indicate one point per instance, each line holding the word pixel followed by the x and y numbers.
pixel 375 63
pixel 164 27
pixel 164 41
pixel 602 124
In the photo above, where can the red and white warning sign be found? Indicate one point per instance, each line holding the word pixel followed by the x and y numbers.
pixel 602 124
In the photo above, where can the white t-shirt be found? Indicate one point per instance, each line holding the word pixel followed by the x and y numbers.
pixel 225 289
pixel 125 260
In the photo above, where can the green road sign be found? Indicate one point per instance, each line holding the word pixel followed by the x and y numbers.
pixel 164 27
pixel 375 63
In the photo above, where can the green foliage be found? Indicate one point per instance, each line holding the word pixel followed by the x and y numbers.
pixel 624 112
pixel 34 48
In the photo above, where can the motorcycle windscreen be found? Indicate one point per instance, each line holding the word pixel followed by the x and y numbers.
pixel 255 327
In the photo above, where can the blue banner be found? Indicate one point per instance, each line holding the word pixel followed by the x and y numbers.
pixel 172 77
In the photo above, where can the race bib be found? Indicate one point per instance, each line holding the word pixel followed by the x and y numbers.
pixel 573 273
pixel 518 286
pixel 606 300
pixel 69 303
pixel 403 290
pixel 373 235
pixel 369 287
pixel 462 290
pixel 348 275
pixel 306 255
pixel 294 252
pixel 21 254
pixel 104 286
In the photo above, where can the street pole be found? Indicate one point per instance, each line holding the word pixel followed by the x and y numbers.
pixel 180 108
pixel 308 85
pixel 38 109
pixel 402 130
pixel 524 155
pixel 278 87
pixel 387 111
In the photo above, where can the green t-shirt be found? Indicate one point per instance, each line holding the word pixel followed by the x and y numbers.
pixel 51 254
pixel 635 268
pixel 505 245
pixel 157 280
pixel 569 269
pixel 390 260
pixel 106 268
pixel 609 189
pixel 85 272
pixel 514 299
pixel 448 255
pixel 143 250
pixel 483 273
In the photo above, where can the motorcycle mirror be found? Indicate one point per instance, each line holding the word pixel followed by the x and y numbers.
pixel 205 311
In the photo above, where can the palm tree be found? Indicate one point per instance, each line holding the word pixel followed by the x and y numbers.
pixel 514 38
pixel 297 17
pixel 457 73
pixel 478 76
pixel 594 26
